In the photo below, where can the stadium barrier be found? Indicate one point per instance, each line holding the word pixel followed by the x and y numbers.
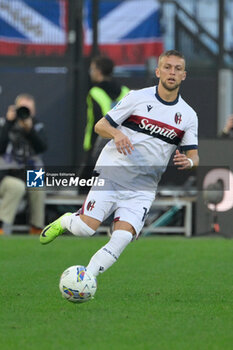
pixel 170 204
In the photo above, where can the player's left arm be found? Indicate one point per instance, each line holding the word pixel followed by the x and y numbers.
pixel 187 160
pixel 188 157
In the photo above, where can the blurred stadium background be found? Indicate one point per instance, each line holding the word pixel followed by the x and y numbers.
pixel 45 49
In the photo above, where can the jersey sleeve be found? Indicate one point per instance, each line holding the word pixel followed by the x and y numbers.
pixel 190 138
pixel 122 110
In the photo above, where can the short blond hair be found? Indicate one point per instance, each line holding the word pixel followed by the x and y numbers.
pixel 171 53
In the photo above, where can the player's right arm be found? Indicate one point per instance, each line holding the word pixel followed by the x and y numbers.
pixel 107 127
pixel 106 130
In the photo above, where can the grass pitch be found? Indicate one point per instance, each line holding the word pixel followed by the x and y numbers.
pixel 162 294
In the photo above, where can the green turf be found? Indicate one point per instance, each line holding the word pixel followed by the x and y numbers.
pixel 162 294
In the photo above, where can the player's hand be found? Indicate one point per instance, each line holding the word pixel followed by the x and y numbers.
pixel 26 124
pixel 181 160
pixel 11 113
pixel 123 143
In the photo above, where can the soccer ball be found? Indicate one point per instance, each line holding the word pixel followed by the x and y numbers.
pixel 77 284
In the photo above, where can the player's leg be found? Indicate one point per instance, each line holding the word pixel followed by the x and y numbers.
pixel 80 225
pixel 85 222
pixel 129 220
pixel 71 222
pixel 106 256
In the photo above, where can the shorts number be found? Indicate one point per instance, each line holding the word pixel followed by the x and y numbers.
pixel 145 213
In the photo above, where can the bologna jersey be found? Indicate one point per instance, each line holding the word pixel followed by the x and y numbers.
pixel 155 128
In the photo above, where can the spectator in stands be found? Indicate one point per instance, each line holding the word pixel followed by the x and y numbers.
pixel 227 131
pixel 103 95
pixel 22 140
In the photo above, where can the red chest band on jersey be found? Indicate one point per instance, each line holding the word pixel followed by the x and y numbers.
pixel 154 128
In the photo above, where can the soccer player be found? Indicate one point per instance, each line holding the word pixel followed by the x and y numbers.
pixel 145 129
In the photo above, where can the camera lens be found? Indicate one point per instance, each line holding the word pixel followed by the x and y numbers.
pixel 23 112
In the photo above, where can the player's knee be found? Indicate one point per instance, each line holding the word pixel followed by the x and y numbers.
pixel 79 228
pixel 124 225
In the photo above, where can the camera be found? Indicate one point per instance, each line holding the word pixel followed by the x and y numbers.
pixel 23 113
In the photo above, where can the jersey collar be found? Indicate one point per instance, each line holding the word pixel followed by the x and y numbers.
pixel 165 102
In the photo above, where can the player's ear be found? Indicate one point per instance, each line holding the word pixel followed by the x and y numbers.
pixel 184 75
pixel 157 72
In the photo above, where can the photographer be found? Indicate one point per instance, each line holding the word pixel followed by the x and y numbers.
pixel 22 140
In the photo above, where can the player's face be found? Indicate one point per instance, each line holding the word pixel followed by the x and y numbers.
pixel 171 72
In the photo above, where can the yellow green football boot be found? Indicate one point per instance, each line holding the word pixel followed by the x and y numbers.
pixel 53 230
